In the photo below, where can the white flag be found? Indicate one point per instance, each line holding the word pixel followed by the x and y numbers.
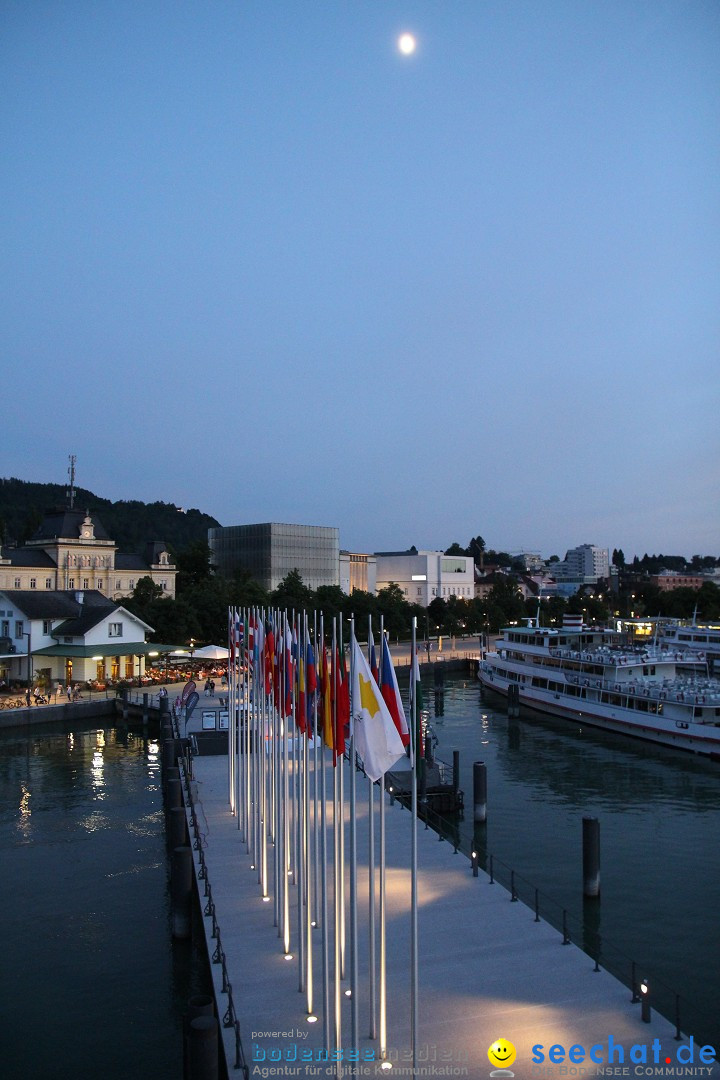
pixel 376 738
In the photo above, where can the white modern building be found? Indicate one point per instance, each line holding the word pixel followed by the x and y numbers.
pixel 358 571
pixel 424 575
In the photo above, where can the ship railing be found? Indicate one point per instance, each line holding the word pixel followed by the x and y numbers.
pixel 583 931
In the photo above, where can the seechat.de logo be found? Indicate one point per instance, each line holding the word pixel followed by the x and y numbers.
pixel 502 1054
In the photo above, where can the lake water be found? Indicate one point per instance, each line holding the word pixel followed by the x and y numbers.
pixel 92 984
pixel 659 813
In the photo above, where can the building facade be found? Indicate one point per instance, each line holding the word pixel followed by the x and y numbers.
pixel 425 575
pixel 583 565
pixel 72 551
pixel 69 637
pixel 270 551
pixel 358 572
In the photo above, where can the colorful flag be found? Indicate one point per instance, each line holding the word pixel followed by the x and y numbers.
pixel 391 695
pixel 373 658
pixel 310 678
pixel 377 740
pixel 325 719
pixel 341 697
pixel 269 661
pixel 301 711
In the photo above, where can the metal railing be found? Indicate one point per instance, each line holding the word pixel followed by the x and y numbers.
pixel 230 1018
pixel 545 908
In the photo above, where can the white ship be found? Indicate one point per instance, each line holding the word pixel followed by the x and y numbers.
pixel 596 677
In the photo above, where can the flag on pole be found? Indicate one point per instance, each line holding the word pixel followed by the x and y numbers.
pixel 301 712
pixel 269 660
pixel 377 740
pixel 341 694
pixel 373 658
pixel 391 695
pixel 310 678
pixel 325 719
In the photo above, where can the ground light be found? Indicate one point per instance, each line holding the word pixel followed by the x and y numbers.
pixel 645 1001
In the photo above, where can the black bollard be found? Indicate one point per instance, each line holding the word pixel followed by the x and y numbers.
pixel 124 696
pixel 439 674
pixel 169 755
pixel 456 771
pixel 176 827
pixel 429 759
pixel 164 708
pixel 181 876
pixel 198 1005
pixel 479 791
pixel 513 699
pixel 173 794
pixel 203 1048
pixel 591 856
pixel 145 708
pixel 645 1010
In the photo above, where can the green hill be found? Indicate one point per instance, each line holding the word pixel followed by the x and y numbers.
pixel 130 523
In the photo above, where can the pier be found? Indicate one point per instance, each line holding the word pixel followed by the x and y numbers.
pixel 488 969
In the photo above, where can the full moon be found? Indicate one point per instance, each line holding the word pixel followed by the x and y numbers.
pixel 407 44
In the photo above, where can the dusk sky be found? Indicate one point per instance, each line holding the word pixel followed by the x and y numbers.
pixel 259 262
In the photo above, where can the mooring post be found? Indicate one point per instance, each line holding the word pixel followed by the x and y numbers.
pixel 145 708
pixel 124 699
pixel 181 871
pixel 479 791
pixel 198 1005
pixel 456 771
pixel 513 700
pixel 591 856
pixel 173 797
pixel 203 1047
pixel 176 827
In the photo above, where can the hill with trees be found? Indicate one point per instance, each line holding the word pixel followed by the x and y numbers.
pixel 130 523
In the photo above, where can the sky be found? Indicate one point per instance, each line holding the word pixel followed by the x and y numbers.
pixel 257 261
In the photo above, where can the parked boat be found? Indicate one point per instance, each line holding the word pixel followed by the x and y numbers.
pixel 596 677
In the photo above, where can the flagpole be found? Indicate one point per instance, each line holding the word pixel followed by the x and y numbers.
pixel 413 864
pixel 286 801
pixel 323 866
pixel 316 862
pixel 337 830
pixel 383 949
pixel 341 803
pixel 354 990
pixel 306 836
pixel 371 886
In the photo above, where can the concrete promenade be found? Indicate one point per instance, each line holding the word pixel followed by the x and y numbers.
pixel 487 969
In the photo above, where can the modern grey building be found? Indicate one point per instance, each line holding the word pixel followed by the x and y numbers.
pixel 271 550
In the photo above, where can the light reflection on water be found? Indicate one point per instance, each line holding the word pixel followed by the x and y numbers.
pixel 83 890
pixel 659 813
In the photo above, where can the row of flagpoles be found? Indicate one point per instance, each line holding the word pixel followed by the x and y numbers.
pixel 296 713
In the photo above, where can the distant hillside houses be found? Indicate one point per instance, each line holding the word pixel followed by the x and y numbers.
pixel 71 550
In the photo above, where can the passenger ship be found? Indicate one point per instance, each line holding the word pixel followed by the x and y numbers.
pixel 596 677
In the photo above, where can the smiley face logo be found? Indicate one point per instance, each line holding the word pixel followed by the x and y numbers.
pixel 501 1053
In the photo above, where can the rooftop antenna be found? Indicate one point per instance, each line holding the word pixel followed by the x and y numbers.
pixel 71 473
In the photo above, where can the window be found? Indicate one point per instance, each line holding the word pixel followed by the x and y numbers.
pixel 47 626
pixel 71 583
pixel 115 629
pixel 19 628
pixel 98 583
pixel 86 583
pixel 118 584
pixel 5 628
pixel 33 583
pixel 48 583
pixel 18 583
pixel 131 583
